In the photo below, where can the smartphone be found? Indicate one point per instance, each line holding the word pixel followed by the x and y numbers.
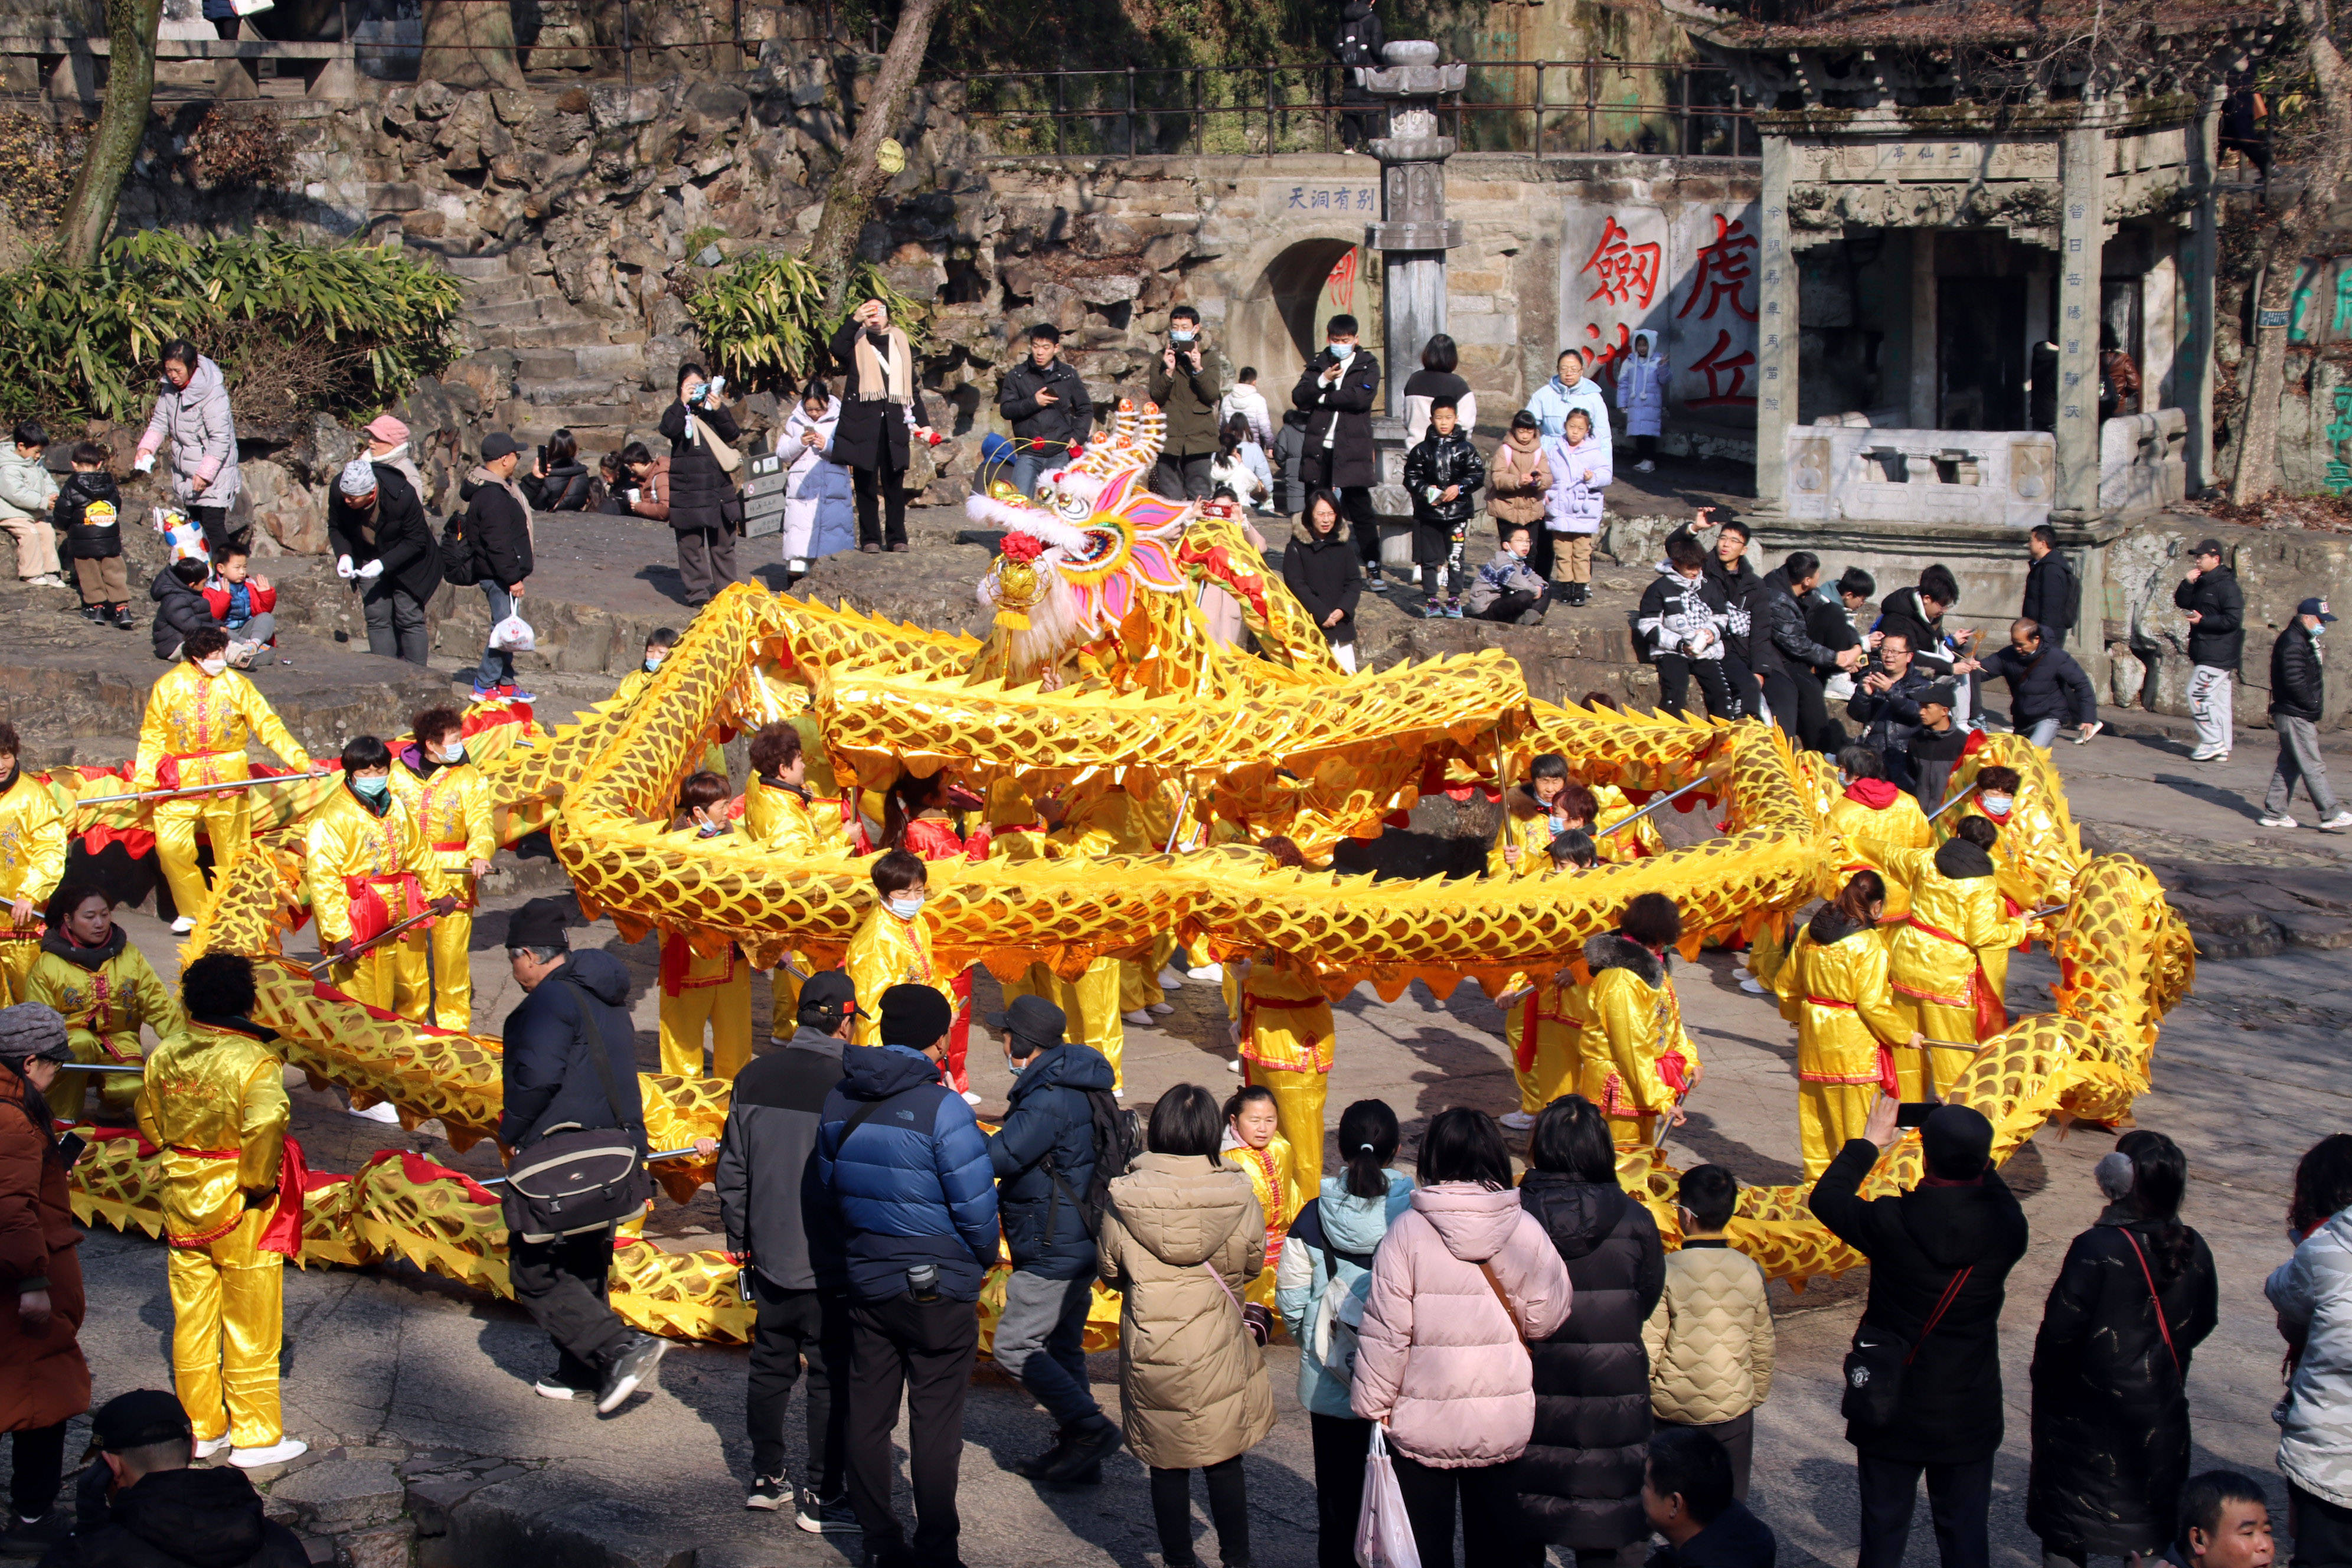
pixel 1914 1112
pixel 69 1147
pixel 543 456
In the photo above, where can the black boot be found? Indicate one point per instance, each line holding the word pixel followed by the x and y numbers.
pixel 1036 1465
pixel 1090 1442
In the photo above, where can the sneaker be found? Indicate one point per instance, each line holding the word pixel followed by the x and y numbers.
pixel 2338 823
pixel 825 1516
pixel 2219 757
pixel 768 1493
pixel 516 694
pixel 1645 467
pixel 633 1366
pixel 2281 820
pixel 45 580
pixel 1138 1018
pixel 1214 974
pixel 207 1446
pixel 183 925
pixel 1376 582
pixel 1753 987
pixel 1434 610
pixel 123 618
pixel 93 613
pixel 1235 1065
pixel 1160 1009
pixel 277 1453
pixel 1453 609
pixel 2203 755
pixel 1169 980
pixel 34 1537
pixel 970 1098
pixel 1086 1445
pixel 487 694
pixel 382 1111
pixel 1516 1120
pixel 555 1388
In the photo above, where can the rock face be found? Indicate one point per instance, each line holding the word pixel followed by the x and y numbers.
pixel 289 515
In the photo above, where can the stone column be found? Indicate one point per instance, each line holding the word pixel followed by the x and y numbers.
pixel 1413 233
pixel 2081 198
pixel 1776 329
pixel 1924 346
pixel 2200 259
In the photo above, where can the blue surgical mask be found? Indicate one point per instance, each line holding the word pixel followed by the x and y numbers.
pixel 1343 353
pixel 1998 805
pixel 654 663
pixel 905 906
pixel 373 791
pixel 1181 335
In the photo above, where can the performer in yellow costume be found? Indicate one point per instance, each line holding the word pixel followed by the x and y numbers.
pixel 781 817
pixel 1995 800
pixel 1254 1147
pixel 1531 819
pixel 704 993
pixel 366 865
pixel 1543 1017
pixel 894 946
pixel 1878 819
pixel 32 858
pixel 1638 1061
pixel 1949 961
pixel 1833 988
pixel 450 801
pixel 213 1101
pixel 1110 823
pixel 199 717
pixel 1287 1041
pixel 104 989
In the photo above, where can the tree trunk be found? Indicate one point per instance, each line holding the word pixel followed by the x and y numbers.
pixel 849 197
pixel 469 43
pixel 2256 472
pixel 122 126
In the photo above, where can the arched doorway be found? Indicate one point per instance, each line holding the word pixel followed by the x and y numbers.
pixel 1279 325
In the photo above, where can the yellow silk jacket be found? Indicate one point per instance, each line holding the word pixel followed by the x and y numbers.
pixel 213 1101
pixel 1901 826
pixel 2030 858
pixel 1273 1173
pixel 32 841
pixel 1527 827
pixel 1635 1018
pixel 205 720
pixel 1640 840
pixel 1955 924
pixel 108 1002
pixel 1840 1044
pixel 776 818
pixel 347 840
pixel 452 813
pixel 887 952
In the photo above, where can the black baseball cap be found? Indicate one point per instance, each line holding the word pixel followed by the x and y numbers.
pixel 135 1419
pixel 498 444
pixel 2206 547
pixel 826 998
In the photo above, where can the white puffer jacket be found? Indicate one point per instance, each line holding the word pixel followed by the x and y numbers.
pixel 2312 1292
pixel 1711 1339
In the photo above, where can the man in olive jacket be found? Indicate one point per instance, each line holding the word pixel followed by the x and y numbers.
pixel 1941 1251
pixel 1187 381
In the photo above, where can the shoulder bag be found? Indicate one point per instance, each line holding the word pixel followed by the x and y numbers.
pixel 1875 1364
pixel 578 1178
pixel 2157 1301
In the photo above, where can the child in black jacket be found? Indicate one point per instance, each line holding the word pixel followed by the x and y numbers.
pixel 1441 474
pixel 88 519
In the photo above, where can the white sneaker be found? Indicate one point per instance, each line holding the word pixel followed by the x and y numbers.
pixel 547 1388
pixel 970 1098
pixel 1753 987
pixel 276 1453
pixel 1118 1093
pixel 1169 980
pixel 382 1111
pixel 1160 1009
pixel 207 1446
pixel 183 925
pixel 2203 755
pixel 1233 1065
pixel 45 580
pixel 1213 972
pixel 1645 467
pixel 2338 823
pixel 1139 1016
pixel 2219 757
pixel 1516 1120
pixel 2280 821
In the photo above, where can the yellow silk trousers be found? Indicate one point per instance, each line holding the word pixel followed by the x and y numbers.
pixel 229 1320
pixel 1298 1116
pixel 18 953
pixel 1626 1132
pixel 225 821
pixel 453 972
pixel 726 1009
pixel 1828 1114
pixel 1139 978
pixel 1937 1023
pixel 1090 1006
pixel 113 1093
pixel 395 978
pixel 1558 1056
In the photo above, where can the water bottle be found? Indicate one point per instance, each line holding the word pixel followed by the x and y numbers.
pixel 923 1281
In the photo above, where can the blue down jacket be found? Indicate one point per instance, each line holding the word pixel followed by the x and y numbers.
pixel 911 1183
pixel 1048 1118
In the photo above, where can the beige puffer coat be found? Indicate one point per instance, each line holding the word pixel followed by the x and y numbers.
pixel 1194 1386
pixel 1711 1340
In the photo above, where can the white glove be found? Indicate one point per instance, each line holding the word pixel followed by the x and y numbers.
pixel 343 566
pixel 370 572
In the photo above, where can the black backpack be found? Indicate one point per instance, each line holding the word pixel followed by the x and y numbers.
pixel 1353 48
pixel 460 565
pixel 1118 1139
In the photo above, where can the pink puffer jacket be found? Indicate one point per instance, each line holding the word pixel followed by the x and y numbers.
pixel 1439 1362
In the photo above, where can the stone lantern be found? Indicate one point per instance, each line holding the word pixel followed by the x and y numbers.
pixel 1413 233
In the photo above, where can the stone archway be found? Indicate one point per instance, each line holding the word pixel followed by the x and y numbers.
pixel 1278 325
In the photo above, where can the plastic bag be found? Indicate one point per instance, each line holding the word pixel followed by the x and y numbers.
pixel 182 534
pixel 1383 1533
pixel 514 635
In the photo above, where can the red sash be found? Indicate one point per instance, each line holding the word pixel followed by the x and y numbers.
pixel 1992 1011
pixel 370 916
pixel 283 1234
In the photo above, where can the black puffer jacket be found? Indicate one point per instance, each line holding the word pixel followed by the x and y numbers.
pixel 1325 576
pixel 2047 685
pixel 1779 638
pixel 179 610
pixel 78 538
pixel 701 493
pixel 1580 1482
pixel 1733 591
pixel 549 1079
pixel 1950 1412
pixel 2110 1408
pixel 1437 463
pixel 1905 614
pixel 2298 684
pixel 1049 1132
pixel 2218 637
pixel 180 1518
pixel 2051 595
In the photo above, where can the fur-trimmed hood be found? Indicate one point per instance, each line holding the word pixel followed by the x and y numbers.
pixel 1301 534
pixel 1614 949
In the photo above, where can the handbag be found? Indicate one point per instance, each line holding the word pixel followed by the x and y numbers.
pixel 1384 1532
pixel 723 453
pixel 581 1178
pixel 1875 1366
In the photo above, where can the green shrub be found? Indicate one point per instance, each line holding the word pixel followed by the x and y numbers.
pixel 761 317
pixel 339 328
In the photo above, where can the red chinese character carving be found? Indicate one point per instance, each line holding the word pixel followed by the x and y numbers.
pixel 1625 269
pixel 1602 362
pixel 1342 283
pixel 1715 366
pixel 1723 269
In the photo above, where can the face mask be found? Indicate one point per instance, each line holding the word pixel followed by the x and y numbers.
pixel 1996 804
pixel 1343 353
pixel 373 791
pixel 1013 1065
pixel 654 663
pixel 905 906
pixel 212 666
pixel 454 756
pixel 1177 336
